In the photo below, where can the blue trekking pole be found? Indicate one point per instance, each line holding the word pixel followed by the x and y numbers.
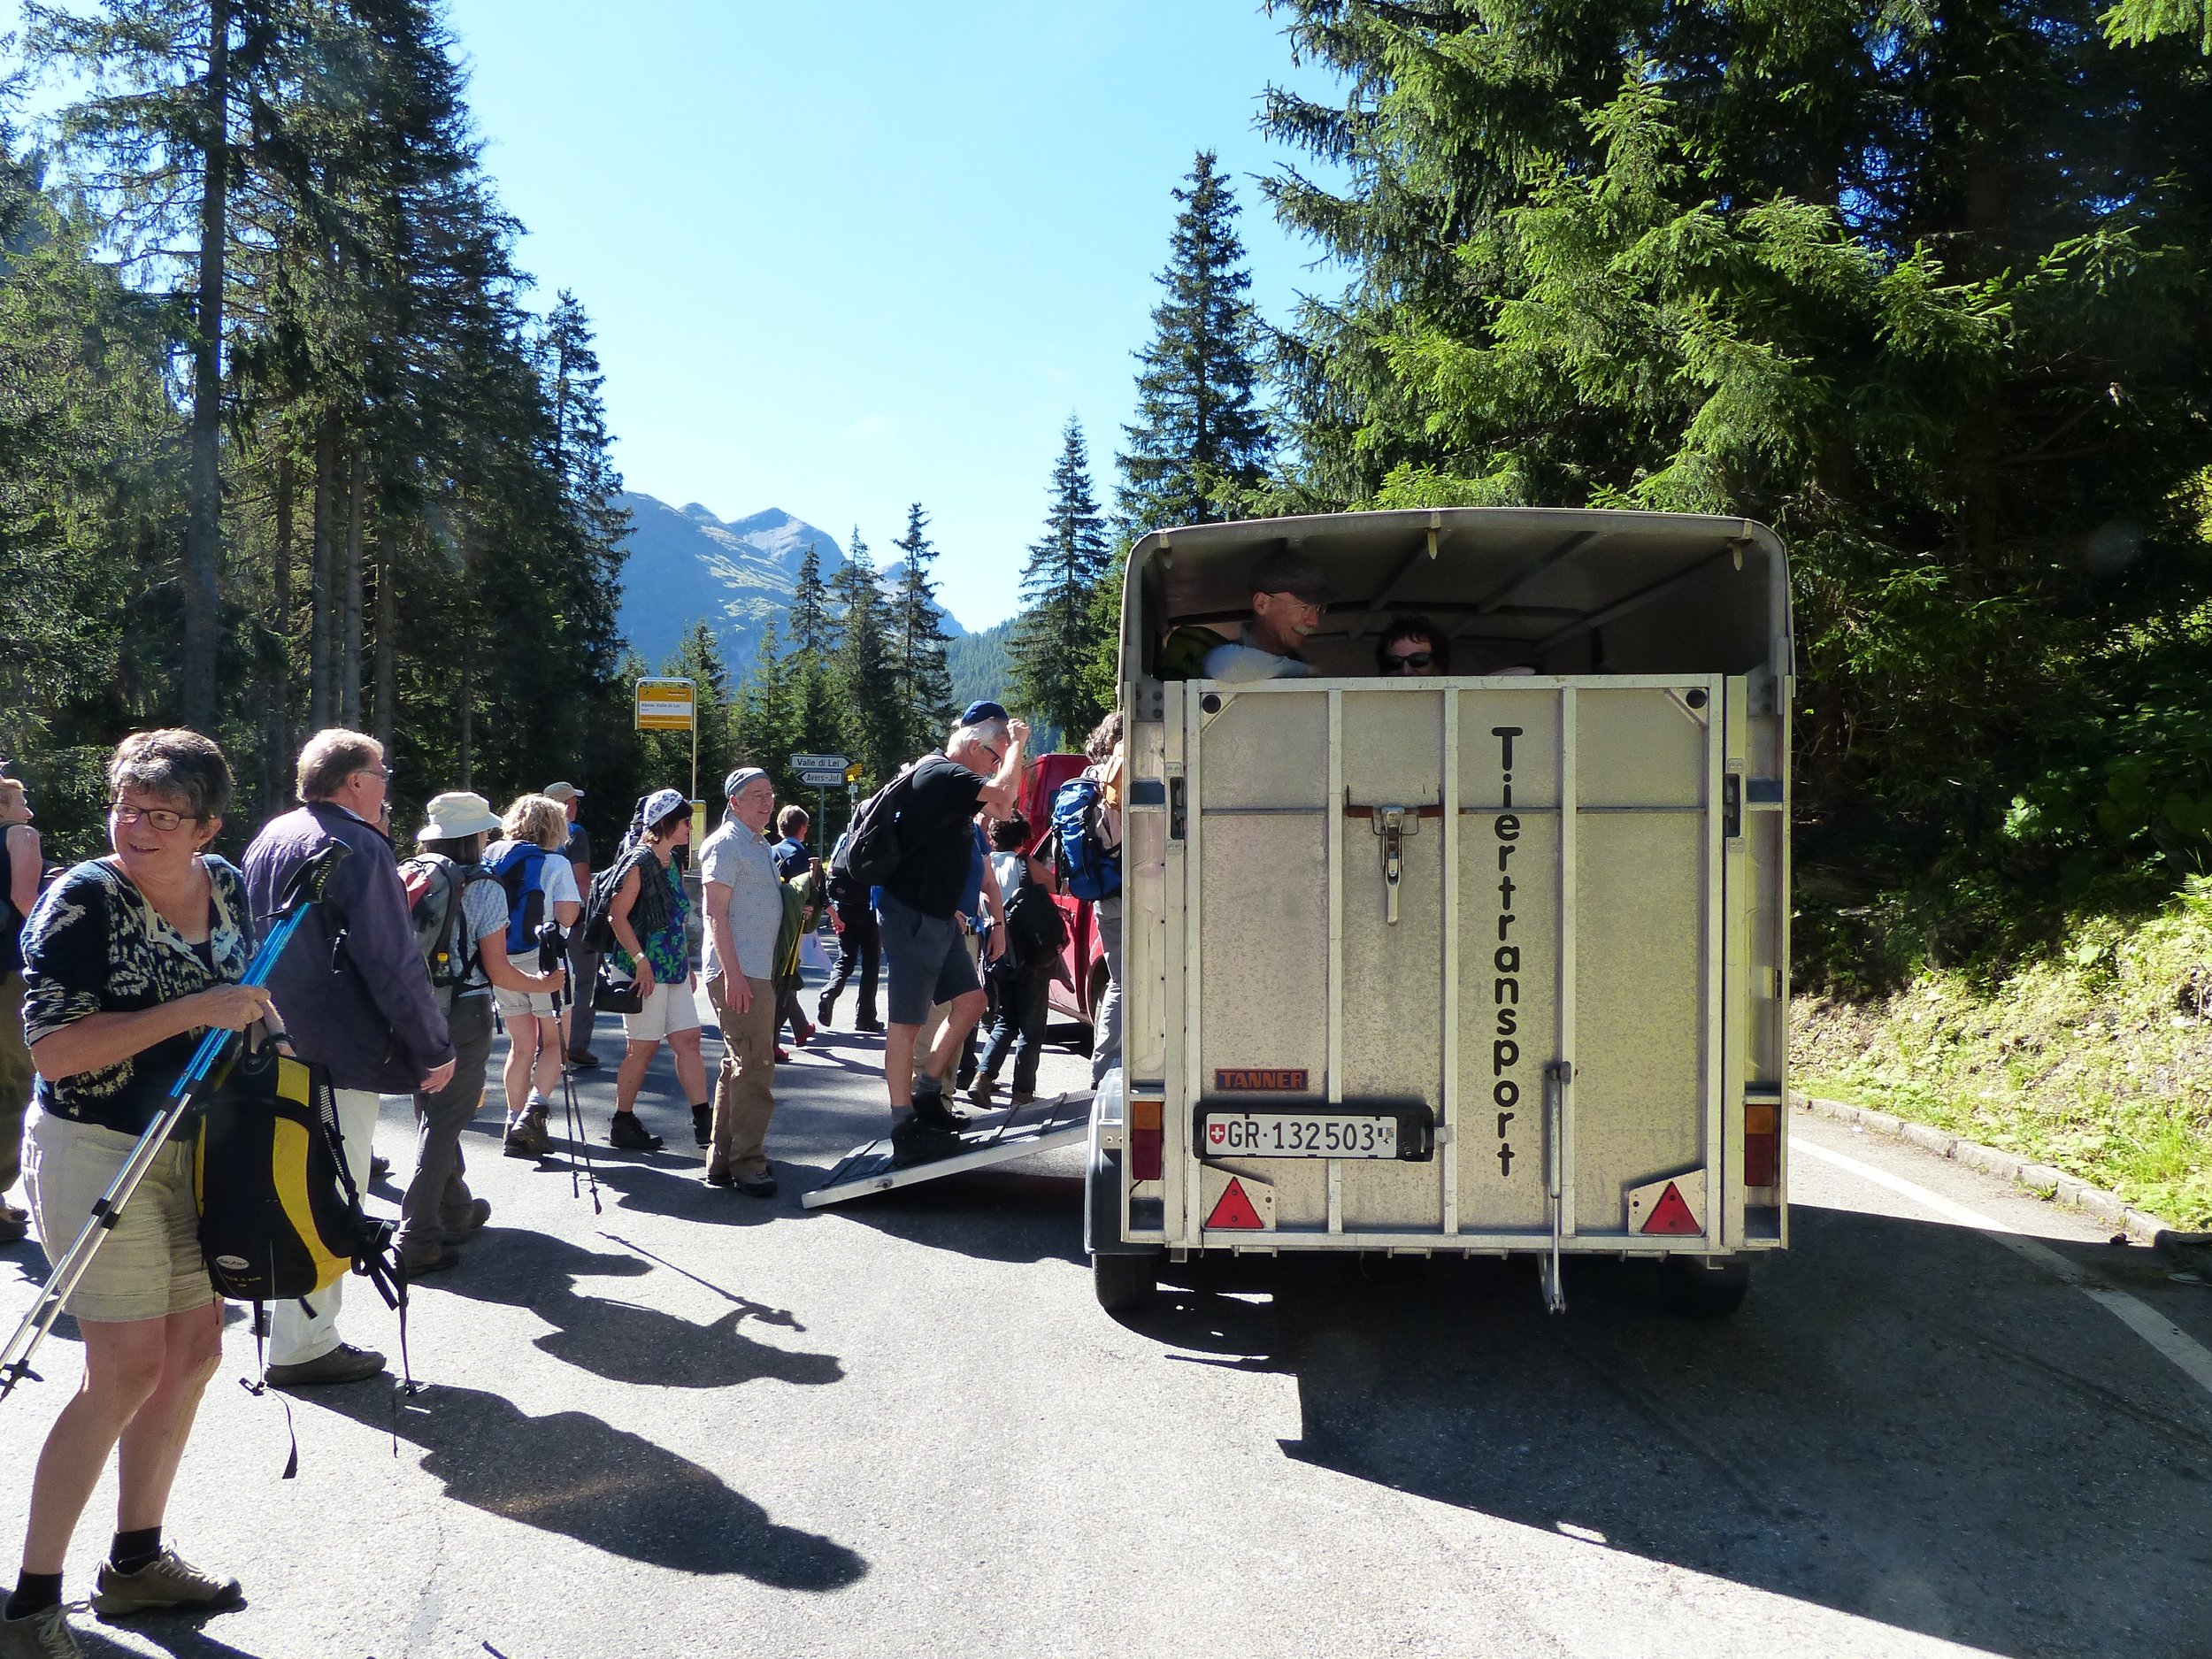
pixel 306 886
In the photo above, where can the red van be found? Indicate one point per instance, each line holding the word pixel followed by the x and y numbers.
pixel 1082 980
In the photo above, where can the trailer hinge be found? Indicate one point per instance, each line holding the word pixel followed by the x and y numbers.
pixel 1731 805
pixel 1176 799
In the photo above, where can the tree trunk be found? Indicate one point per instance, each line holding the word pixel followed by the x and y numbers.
pixel 387 675
pixel 467 605
pixel 349 596
pixel 204 524
pixel 280 723
pixel 320 710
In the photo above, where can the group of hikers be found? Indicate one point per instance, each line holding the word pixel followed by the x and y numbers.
pixel 116 967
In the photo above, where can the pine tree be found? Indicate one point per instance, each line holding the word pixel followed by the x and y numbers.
pixel 1056 641
pixel 1201 445
pixel 811 630
pixel 862 674
pixel 919 636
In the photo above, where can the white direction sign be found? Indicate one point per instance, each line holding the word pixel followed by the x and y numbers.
pixel 822 778
pixel 820 763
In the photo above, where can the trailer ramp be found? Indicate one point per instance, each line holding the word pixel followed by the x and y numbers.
pixel 990 1138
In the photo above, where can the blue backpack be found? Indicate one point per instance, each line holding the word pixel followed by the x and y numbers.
pixel 521 872
pixel 1088 868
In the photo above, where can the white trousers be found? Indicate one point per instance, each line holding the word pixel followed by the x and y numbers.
pixel 296 1336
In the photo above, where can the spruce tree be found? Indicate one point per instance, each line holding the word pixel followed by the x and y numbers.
pixel 918 631
pixel 1200 447
pixel 1056 641
pixel 863 673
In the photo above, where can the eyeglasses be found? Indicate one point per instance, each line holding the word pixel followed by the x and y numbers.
pixel 998 756
pixel 1407 664
pixel 159 817
pixel 384 772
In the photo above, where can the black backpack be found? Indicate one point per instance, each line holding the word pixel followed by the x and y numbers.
pixel 872 850
pixel 436 893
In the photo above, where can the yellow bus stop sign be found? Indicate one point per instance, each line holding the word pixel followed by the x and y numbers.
pixel 665 705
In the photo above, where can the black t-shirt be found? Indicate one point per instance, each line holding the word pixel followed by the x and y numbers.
pixel 936 836
pixel 579 848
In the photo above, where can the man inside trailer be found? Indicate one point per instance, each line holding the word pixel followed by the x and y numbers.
pixel 1288 595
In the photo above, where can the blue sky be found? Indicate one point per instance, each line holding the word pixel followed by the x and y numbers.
pixel 845 258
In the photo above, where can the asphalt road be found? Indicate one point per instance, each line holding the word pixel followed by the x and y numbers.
pixel 700 1423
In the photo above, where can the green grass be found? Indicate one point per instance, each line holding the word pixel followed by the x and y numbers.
pixel 2098 1062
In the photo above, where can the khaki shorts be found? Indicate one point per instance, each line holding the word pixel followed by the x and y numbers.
pixel 150 1267
pixel 519 1005
pixel 669 1009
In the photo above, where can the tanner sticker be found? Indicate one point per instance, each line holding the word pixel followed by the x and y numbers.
pixel 1238 1080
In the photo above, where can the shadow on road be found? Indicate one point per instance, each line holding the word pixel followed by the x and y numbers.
pixel 1008 1214
pixel 625 1341
pixel 1901 1423
pixel 171 1633
pixel 571 1473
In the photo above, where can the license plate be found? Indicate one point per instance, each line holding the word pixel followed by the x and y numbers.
pixel 1280 1135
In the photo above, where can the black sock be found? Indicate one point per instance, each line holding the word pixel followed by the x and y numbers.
pixel 35 1593
pixel 131 1551
pixel 700 1106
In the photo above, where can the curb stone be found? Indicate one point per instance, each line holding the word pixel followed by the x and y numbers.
pixel 2040 1179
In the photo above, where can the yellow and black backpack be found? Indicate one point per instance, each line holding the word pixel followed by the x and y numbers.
pixel 279 1214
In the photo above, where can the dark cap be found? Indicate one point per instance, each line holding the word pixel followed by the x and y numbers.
pixel 977 713
pixel 1288 572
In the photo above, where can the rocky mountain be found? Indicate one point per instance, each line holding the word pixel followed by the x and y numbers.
pixel 685 563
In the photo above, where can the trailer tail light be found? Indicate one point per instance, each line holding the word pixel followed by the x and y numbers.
pixel 1762 1143
pixel 1145 1118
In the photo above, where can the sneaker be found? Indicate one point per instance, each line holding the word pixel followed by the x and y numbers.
pixel 761 1186
pixel 419 1264
pixel 980 1091
pixel 632 1136
pixel 344 1363
pixel 41 1635
pixel 702 1125
pixel 167 1581
pixel 916 1141
pixel 479 1212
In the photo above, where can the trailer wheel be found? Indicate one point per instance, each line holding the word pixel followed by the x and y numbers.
pixel 1124 1283
pixel 1698 1291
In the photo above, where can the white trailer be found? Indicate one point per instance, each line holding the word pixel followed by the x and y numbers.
pixel 1490 964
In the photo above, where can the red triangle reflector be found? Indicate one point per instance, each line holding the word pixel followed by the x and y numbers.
pixel 1234 1210
pixel 1671 1214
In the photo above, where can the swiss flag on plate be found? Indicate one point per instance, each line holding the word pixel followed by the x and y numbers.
pixel 1218 1133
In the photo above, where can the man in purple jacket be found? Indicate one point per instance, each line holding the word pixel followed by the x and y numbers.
pixel 354 995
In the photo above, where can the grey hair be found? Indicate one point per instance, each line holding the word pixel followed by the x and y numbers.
pixel 175 764
pixel 995 732
pixel 332 755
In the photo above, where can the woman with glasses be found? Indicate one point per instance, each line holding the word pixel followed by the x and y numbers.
pixel 127 961
pixel 1413 645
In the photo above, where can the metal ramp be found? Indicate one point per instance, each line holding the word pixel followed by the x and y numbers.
pixel 990 1138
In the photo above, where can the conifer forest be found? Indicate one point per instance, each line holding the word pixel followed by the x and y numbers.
pixel 284 443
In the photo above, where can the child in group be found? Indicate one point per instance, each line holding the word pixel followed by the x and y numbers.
pixel 1036 933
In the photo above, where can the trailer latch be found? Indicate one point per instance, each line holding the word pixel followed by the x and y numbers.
pixel 1393 824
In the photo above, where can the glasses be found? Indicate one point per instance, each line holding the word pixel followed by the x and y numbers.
pixel 384 772
pixel 159 817
pixel 998 756
pixel 1407 664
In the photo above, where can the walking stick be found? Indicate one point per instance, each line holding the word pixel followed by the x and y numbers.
pixel 210 1059
pixel 552 943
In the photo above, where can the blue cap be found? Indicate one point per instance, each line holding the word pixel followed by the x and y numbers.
pixel 976 714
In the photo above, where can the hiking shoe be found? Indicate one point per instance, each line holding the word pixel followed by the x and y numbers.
pixel 632 1136
pixel 585 1062
pixel 875 1025
pixel 761 1186
pixel 167 1581
pixel 702 1125
pixel 414 1266
pixel 380 1166
pixel 528 1136
pixel 915 1141
pixel 717 1178
pixel 823 1007
pixel 1021 1097
pixel 930 1108
pixel 15 1227
pixel 344 1363
pixel 980 1091
pixel 461 1231
pixel 41 1635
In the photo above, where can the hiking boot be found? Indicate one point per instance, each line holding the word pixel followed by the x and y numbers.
pixel 41 1635
pixel 414 1264
pixel 1021 1097
pixel 760 1186
pixel 528 1136
pixel 930 1108
pixel 915 1141
pixel 461 1231
pixel 630 1135
pixel 167 1581
pixel 980 1091
pixel 875 1025
pixel 702 1125
pixel 344 1363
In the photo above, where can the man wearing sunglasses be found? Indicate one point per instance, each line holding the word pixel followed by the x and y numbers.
pixel 1413 645
pixel 980 766
pixel 1289 597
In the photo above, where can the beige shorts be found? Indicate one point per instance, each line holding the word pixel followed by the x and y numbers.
pixel 669 1009
pixel 518 1004
pixel 150 1267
